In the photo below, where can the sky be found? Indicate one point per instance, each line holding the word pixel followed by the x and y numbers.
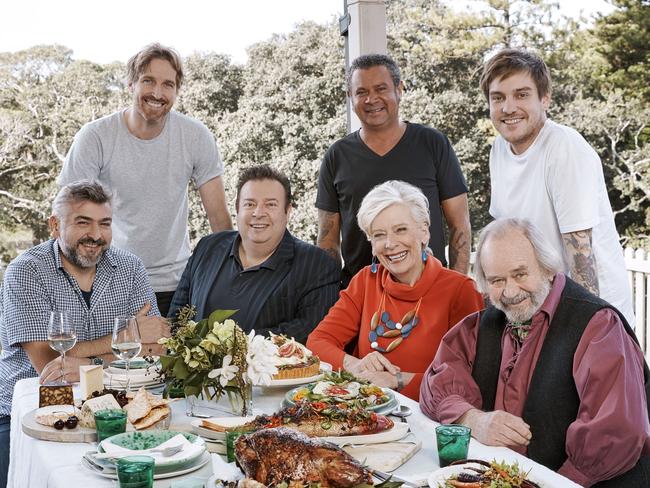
pixel 114 30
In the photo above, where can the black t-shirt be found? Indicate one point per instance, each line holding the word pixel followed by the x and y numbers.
pixel 423 157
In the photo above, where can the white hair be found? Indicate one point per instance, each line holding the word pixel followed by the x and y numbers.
pixel 390 193
pixel 547 257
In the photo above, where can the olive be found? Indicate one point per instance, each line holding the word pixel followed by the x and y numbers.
pixel 59 424
pixel 72 422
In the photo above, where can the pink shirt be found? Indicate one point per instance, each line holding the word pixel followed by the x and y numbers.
pixel 612 428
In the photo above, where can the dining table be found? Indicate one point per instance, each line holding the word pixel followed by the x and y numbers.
pixel 37 463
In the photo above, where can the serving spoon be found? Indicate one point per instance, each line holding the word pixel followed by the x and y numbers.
pixel 402 412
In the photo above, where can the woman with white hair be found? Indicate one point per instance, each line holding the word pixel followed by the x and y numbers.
pixel 398 308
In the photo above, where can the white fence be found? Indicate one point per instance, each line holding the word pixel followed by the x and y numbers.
pixel 637 262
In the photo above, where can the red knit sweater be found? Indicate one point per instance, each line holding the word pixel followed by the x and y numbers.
pixel 447 297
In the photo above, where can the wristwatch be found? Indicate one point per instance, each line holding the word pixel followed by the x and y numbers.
pixel 400 380
pixel 97 361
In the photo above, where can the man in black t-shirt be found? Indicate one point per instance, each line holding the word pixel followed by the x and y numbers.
pixel 386 148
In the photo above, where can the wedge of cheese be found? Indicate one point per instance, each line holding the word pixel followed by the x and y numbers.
pixel 50 414
pixel 91 378
pixel 87 417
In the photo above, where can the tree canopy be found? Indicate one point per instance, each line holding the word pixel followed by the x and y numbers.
pixel 286 104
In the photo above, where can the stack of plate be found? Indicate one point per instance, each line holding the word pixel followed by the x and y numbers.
pixel 141 373
pixel 190 459
pixel 217 440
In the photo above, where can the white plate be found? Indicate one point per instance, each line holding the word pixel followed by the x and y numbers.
pixel 223 421
pixel 202 461
pixel 438 477
pixel 195 448
pixel 399 431
pixel 136 381
pixel 324 368
pixel 135 373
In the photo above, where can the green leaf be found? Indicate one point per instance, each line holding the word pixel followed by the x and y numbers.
pixel 195 379
pixel 220 315
pixel 180 370
pixel 167 362
pixel 202 329
pixel 192 390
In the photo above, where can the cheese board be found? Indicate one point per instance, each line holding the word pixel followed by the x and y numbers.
pixel 46 433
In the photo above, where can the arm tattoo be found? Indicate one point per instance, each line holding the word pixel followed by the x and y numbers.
pixel 329 234
pixel 459 250
pixel 582 260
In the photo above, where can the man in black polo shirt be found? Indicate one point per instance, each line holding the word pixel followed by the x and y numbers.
pixel 387 148
pixel 277 283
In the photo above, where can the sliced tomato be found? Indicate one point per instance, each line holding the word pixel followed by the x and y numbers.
pixel 319 405
pixel 337 390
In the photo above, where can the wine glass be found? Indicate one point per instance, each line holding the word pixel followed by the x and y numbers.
pixel 61 336
pixel 126 342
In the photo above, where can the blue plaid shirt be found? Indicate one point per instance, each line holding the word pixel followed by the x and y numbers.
pixel 35 283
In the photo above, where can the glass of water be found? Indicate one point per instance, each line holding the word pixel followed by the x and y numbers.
pixel 61 336
pixel 126 342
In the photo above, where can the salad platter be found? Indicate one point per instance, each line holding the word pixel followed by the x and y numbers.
pixel 340 388
pixel 481 473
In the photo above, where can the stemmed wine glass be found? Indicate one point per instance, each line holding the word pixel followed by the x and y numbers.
pixel 61 336
pixel 126 342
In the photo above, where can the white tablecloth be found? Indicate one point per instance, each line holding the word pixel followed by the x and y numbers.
pixel 35 463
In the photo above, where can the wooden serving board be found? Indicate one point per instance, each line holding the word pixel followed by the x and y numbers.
pixel 45 433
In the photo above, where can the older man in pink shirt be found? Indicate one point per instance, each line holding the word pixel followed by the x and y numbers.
pixel 549 369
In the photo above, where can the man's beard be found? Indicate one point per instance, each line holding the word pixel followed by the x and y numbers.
pixel 518 315
pixel 72 252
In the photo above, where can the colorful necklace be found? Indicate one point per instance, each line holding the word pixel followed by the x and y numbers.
pixel 381 325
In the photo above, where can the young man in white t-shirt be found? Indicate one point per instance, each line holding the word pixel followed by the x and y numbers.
pixel 549 174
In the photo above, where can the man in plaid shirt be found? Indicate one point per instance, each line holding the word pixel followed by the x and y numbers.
pixel 75 272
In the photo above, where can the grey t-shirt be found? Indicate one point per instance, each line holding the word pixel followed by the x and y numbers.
pixel 149 181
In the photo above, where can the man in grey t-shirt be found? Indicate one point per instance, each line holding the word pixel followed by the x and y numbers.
pixel 147 154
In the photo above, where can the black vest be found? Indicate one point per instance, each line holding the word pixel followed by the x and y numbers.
pixel 552 402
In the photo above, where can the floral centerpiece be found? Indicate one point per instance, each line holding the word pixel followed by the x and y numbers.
pixel 214 357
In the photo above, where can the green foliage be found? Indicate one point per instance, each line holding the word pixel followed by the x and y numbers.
pixel 197 348
pixel 623 39
pixel 286 105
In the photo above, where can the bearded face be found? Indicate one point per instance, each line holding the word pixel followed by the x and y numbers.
pixel 83 232
pixel 516 282
pixel 521 307
pixel 85 252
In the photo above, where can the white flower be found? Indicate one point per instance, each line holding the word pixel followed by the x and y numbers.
pixel 260 359
pixel 226 372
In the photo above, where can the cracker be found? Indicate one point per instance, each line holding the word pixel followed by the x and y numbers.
pixel 139 407
pixel 155 415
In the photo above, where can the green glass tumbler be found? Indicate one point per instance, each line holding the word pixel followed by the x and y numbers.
pixel 109 422
pixel 135 471
pixel 453 443
pixel 231 437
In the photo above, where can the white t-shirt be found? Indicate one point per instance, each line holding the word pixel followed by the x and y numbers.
pixel 149 181
pixel 558 184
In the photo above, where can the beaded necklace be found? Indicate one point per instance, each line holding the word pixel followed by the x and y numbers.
pixel 381 325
